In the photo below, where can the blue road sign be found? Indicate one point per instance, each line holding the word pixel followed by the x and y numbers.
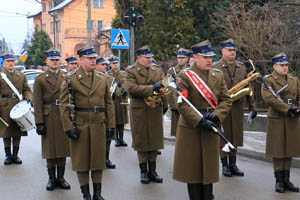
pixel 1 61
pixel 120 38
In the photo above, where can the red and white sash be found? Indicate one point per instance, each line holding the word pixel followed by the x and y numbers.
pixel 203 89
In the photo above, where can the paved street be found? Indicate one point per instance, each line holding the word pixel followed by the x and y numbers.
pixel 28 181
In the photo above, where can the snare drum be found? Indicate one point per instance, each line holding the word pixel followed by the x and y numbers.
pixel 23 114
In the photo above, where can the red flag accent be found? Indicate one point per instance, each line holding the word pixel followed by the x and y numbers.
pixel 185 93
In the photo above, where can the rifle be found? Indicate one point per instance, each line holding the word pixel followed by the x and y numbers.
pixel 226 148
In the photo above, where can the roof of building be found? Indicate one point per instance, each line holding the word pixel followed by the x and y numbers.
pixel 61 5
pixel 35 15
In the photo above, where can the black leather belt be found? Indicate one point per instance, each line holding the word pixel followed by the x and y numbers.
pixel 208 109
pixel 290 101
pixel 12 96
pixel 137 97
pixel 95 109
pixel 56 102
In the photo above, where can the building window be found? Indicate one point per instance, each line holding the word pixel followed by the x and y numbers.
pixel 44 7
pixel 99 25
pixel 114 2
pixel 59 26
pixel 59 47
pixel 51 27
pixel 91 25
pixel 44 27
pixel 98 3
pixel 50 5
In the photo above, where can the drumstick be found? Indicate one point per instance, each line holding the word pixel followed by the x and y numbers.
pixel 4 122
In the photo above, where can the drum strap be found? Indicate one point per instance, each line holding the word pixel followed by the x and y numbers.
pixel 11 85
pixel 71 105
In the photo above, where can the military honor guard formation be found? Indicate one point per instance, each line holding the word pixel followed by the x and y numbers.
pixel 79 112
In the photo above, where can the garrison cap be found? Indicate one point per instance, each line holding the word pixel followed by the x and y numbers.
pixel 280 59
pixel 52 54
pixel 114 59
pixel 228 44
pixel 87 51
pixel 8 56
pixel 101 60
pixel 144 51
pixel 183 53
pixel 71 59
pixel 203 48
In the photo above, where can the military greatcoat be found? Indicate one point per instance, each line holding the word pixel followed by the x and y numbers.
pixel 88 151
pixel 55 144
pixel 120 109
pixel 19 80
pixel 197 150
pixel 283 138
pixel 174 71
pixel 234 73
pixel 146 123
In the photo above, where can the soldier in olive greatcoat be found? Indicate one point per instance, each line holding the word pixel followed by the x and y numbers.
pixel 55 144
pixel 197 146
pixel 146 122
pixel 91 121
pixel 8 99
pixel 234 72
pixel 281 91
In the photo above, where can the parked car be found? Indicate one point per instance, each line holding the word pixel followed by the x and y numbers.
pixel 20 68
pixel 30 75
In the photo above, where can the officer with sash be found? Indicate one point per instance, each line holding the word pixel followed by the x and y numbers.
pixel 72 63
pixel 146 122
pixel 119 96
pixel 55 144
pixel 234 72
pixel 11 134
pixel 183 60
pixel 87 93
pixel 281 91
pixel 101 66
pixel 197 146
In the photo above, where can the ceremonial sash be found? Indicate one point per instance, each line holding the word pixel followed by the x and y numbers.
pixel 203 89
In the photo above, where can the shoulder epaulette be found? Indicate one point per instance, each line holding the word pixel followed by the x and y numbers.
pixel 216 62
pixel 102 73
pixel 217 70
pixel 130 66
pixel 268 75
pixel 72 72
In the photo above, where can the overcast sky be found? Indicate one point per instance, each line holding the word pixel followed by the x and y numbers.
pixel 13 27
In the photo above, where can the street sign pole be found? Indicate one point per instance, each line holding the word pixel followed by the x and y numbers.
pixel 132 50
pixel 119 54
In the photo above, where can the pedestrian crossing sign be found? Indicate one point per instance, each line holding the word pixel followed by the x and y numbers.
pixel 120 38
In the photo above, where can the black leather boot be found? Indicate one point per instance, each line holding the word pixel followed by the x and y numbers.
pixel 122 142
pixel 8 158
pixel 52 180
pixel 85 190
pixel 288 185
pixel 207 192
pixel 61 182
pixel 118 141
pixel 279 182
pixel 144 173
pixel 15 157
pixel 233 168
pixel 225 167
pixel 97 192
pixel 153 176
pixel 195 191
pixel 108 162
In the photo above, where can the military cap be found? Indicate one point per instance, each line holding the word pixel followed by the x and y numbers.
pixel 280 59
pixel 114 59
pixel 228 44
pixel 101 60
pixel 203 48
pixel 183 53
pixel 52 54
pixel 144 51
pixel 8 56
pixel 87 51
pixel 71 59
pixel 153 62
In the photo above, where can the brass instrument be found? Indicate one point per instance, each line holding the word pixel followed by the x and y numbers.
pixel 239 90
pixel 156 98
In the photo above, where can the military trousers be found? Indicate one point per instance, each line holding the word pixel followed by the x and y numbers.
pixel 14 140
pixel 83 177
pixel 145 156
pixel 224 154
pixel 282 164
pixel 59 162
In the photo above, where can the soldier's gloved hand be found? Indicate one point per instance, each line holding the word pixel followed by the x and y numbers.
pixel 109 132
pixel 119 84
pixel 29 102
pixel 165 110
pixel 212 117
pixel 113 96
pixel 72 134
pixel 40 129
pixel 253 114
pixel 293 111
pixel 174 110
pixel 123 92
pixel 157 86
pixel 207 124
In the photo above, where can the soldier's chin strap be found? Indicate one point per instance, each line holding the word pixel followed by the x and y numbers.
pixel 11 85
pixel 228 146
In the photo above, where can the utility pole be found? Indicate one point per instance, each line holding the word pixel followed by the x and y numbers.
pixel 132 47
pixel 89 23
pixel 56 31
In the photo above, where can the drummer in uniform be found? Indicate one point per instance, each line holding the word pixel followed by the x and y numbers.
pixel 8 99
pixel 87 115
pixel 55 144
pixel 72 63
pixel 119 96
pixel 183 63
